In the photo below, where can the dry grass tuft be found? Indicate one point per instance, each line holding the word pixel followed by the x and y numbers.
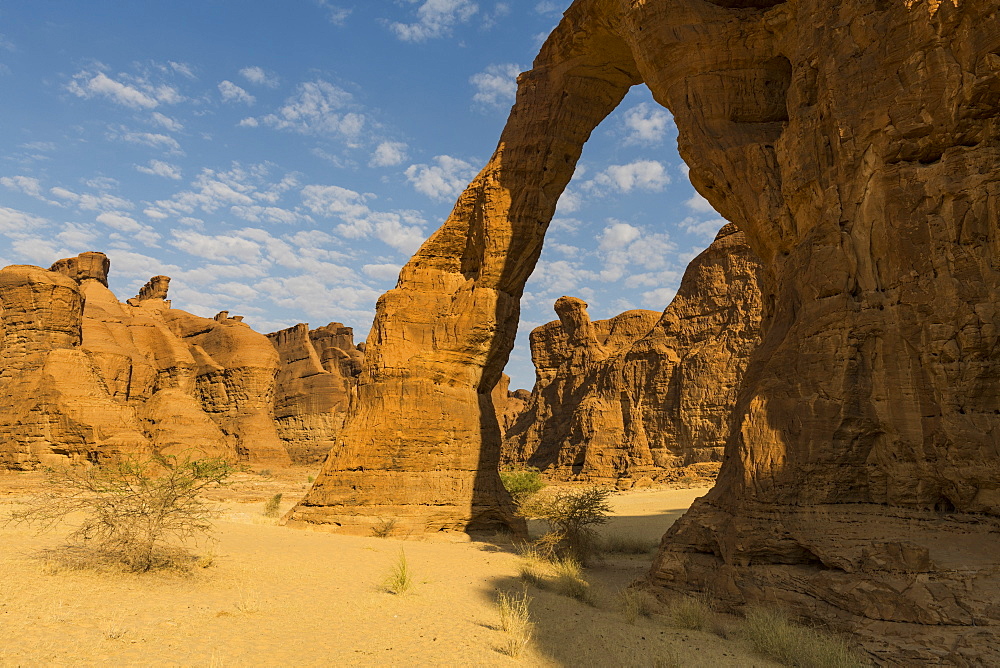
pixel 563 576
pixel 515 621
pixel 690 612
pixel 773 635
pixel 400 579
pixel 384 528
pixel 635 603
pixel 272 505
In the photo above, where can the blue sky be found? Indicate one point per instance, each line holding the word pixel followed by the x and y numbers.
pixel 282 160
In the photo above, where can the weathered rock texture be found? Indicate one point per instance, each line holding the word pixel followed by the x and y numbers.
pixel 86 377
pixel 319 368
pixel 629 396
pixel 856 145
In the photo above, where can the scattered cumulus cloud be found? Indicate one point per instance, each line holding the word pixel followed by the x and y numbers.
pixel 317 108
pixel 155 140
pixel 639 175
pixel 334 12
pixel 232 93
pixel 401 229
pixel 435 18
pixel 706 229
pixel 160 168
pixel 89 201
pixel 182 68
pixel 496 86
pixel 257 76
pixel 444 179
pixel 24 184
pixel 699 204
pixel 388 154
pixel 646 123
pixel 549 7
pixel 166 122
pixel 132 92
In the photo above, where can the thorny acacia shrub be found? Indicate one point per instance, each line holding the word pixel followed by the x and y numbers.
pixel 571 515
pixel 135 511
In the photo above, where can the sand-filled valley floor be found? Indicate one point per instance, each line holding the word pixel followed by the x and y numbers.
pixel 267 595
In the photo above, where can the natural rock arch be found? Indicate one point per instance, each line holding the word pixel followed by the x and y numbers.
pixel 856 145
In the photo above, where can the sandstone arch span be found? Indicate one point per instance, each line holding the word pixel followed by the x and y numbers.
pixel 856 145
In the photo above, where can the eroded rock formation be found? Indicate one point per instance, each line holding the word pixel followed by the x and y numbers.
pixel 631 395
pixel 856 146
pixel 318 371
pixel 86 377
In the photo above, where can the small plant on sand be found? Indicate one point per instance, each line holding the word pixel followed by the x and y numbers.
pixel 384 528
pixel 515 621
pixel 136 512
pixel 400 579
pixel 635 603
pixel 310 479
pixel 265 473
pixel 571 516
pixel 521 482
pixel 772 634
pixel 272 505
pixel 690 612
pixel 569 581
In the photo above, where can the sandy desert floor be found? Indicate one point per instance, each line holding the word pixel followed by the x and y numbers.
pixel 275 596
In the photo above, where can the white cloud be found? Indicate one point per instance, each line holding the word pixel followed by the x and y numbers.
pixel 317 108
pixel 569 202
pixel 88 85
pixel 625 248
pixel 268 214
pixel 16 222
pixel 257 75
pixel 646 123
pixel 402 230
pixel 89 202
pixel 160 168
pixel 233 93
pixel 167 122
pixel 75 235
pixel 639 175
pixel 496 86
pixel 618 235
pixel 240 186
pixel 698 203
pixel 219 248
pixel 382 272
pixel 337 14
pixel 388 154
pixel 435 18
pixel 706 229
pixel 445 179
pixel 549 7
pixel 119 222
pixel 182 68
pixel 152 139
pixel 659 298
pixel 25 184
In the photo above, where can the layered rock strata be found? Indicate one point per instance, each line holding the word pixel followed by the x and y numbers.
pixel 643 391
pixel 856 145
pixel 85 377
pixel 318 372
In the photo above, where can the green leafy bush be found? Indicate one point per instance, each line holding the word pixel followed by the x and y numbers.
pixel 571 515
pixel 522 482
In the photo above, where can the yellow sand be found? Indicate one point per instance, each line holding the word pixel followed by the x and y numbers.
pixel 275 596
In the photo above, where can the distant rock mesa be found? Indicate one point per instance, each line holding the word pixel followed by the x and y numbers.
pixel 85 377
pixel 627 397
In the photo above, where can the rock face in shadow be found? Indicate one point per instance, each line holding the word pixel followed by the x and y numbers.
pixel 318 372
pixel 857 145
pixel 629 396
pixel 85 377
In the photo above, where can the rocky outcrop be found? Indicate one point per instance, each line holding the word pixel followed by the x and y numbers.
pixel 318 370
pixel 86 377
pixel 627 397
pixel 856 146
pixel 509 405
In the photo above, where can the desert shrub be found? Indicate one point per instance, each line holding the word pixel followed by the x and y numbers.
pixel 690 612
pixel 515 621
pixel 400 579
pixel 635 603
pixel 773 635
pixel 384 528
pixel 265 473
pixel 136 512
pixel 626 544
pixel 571 516
pixel 521 482
pixel 272 505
